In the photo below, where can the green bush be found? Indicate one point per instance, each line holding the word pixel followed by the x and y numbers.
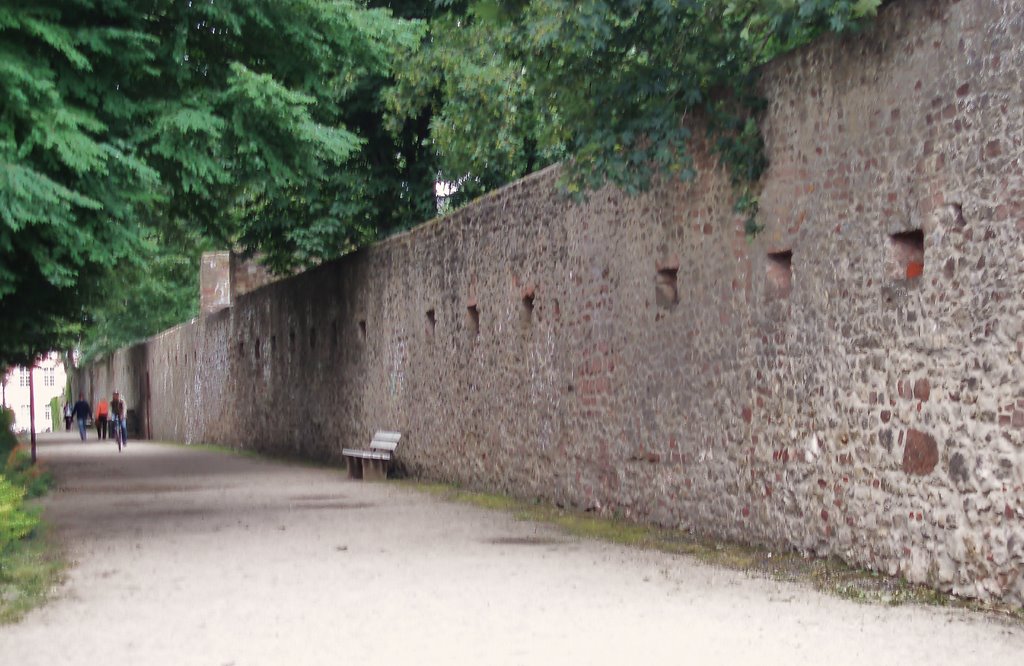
pixel 15 522
pixel 7 439
pixel 20 471
pixel 17 461
pixel 56 415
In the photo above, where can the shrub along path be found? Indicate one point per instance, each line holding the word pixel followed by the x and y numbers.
pixel 184 556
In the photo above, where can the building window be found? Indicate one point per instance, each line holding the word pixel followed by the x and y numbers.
pixel 23 379
pixel 49 377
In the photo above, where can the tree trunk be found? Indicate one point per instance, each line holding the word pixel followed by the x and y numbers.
pixel 32 409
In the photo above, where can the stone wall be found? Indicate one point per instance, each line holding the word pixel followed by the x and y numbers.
pixel 850 382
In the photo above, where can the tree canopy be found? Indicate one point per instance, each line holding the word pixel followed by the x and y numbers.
pixel 135 134
pixel 608 85
pixel 127 124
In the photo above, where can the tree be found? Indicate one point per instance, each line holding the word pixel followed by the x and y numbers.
pixel 139 303
pixel 486 125
pixel 612 85
pixel 623 75
pixel 121 125
pixel 66 182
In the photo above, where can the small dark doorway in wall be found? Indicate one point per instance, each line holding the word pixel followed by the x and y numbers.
pixel 431 322
pixel 907 254
pixel 473 321
pixel 312 337
pixel 257 348
pixel 779 267
pixel 291 341
pixel 362 329
pixel 666 288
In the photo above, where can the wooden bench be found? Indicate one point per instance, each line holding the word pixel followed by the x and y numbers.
pixel 372 463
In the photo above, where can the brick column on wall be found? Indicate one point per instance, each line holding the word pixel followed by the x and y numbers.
pixel 215 281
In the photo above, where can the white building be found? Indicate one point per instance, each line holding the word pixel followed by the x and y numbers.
pixel 49 380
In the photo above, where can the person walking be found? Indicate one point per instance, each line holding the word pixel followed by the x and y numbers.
pixel 119 427
pixel 82 412
pixel 102 411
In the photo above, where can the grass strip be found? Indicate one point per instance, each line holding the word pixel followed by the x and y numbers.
pixel 828 575
pixel 30 571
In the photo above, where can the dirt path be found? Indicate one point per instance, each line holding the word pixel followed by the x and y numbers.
pixel 192 557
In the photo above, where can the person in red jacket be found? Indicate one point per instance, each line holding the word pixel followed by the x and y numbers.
pixel 102 412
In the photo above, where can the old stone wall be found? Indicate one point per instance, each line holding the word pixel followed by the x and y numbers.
pixel 850 382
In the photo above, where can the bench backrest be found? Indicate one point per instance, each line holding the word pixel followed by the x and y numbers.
pixel 385 441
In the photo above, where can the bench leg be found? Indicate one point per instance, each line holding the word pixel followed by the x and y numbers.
pixel 375 470
pixel 355 467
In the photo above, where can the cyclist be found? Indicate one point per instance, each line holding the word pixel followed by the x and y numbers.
pixel 119 429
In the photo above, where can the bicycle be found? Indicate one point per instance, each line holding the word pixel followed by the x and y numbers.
pixel 117 430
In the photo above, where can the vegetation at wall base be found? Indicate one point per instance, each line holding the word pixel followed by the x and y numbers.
pixel 28 569
pixel 828 575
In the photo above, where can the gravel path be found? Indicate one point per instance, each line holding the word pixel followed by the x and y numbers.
pixel 183 557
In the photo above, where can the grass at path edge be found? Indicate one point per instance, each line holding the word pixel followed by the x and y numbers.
pixel 828 575
pixel 32 569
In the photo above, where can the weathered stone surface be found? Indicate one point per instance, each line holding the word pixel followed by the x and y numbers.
pixel 739 402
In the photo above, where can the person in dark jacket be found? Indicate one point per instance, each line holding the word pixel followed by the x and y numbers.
pixel 81 412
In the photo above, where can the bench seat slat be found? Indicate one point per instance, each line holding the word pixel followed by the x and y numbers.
pixel 387 436
pixel 366 453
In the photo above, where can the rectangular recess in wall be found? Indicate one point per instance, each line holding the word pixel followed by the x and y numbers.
pixel 257 347
pixel 431 321
pixel 291 341
pixel 473 321
pixel 779 268
pixel 526 311
pixel 666 287
pixel 312 337
pixel 362 329
pixel 907 254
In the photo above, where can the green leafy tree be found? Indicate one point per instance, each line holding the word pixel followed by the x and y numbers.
pixel 70 187
pixel 122 122
pixel 486 125
pixel 139 303
pixel 612 84
pixel 625 75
